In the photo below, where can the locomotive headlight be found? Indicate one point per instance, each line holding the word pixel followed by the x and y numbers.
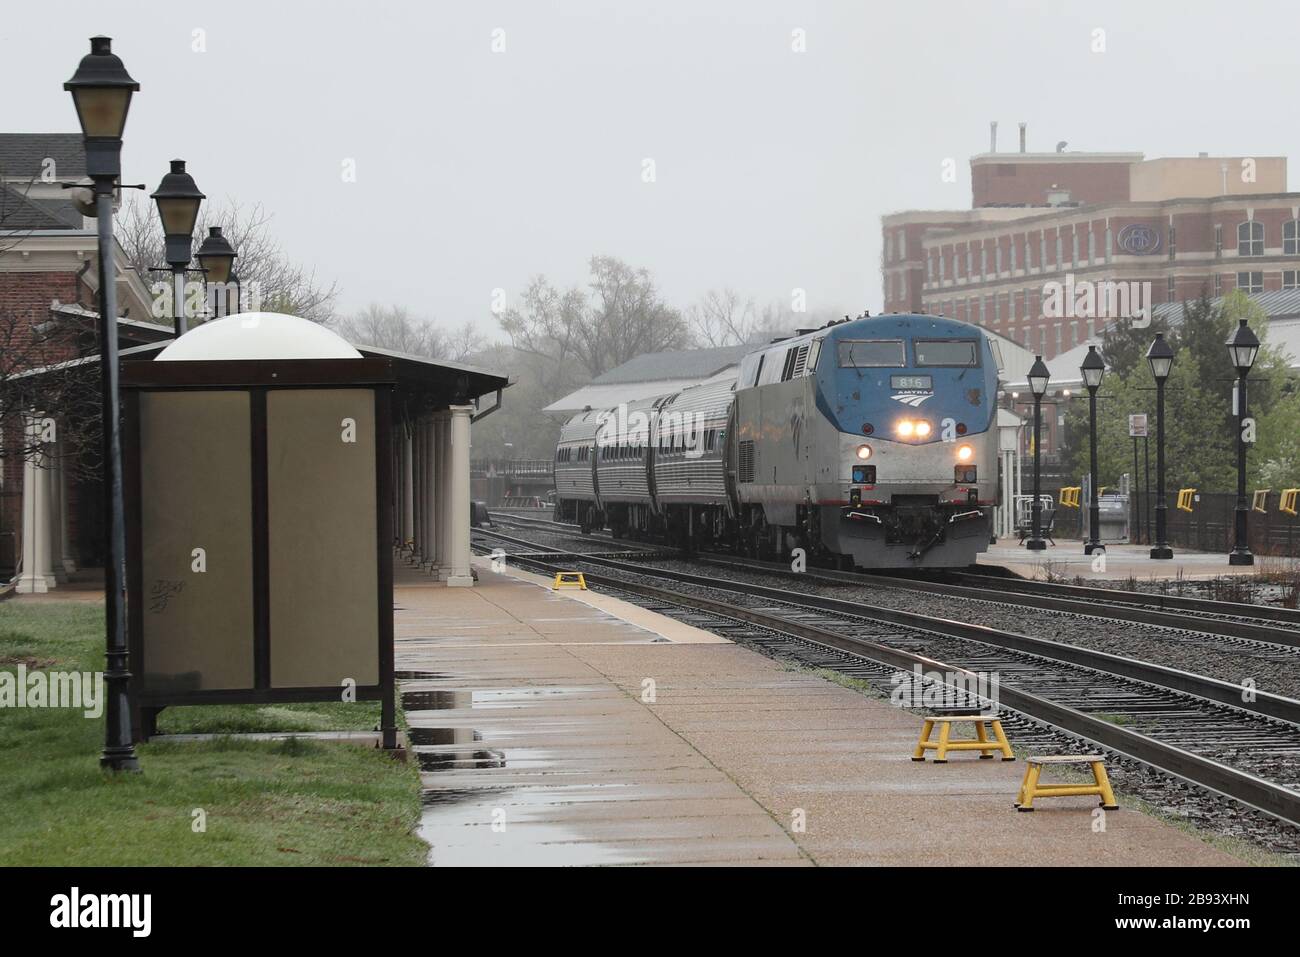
pixel 965 453
pixel 922 429
pixel 905 428
pixel 864 452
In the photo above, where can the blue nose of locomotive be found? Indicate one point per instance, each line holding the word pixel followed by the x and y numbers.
pixel 908 378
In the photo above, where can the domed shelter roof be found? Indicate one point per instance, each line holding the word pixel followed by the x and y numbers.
pixel 259 335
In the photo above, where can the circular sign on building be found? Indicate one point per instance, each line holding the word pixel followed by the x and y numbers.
pixel 1138 239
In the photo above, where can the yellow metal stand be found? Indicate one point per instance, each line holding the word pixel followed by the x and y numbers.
pixel 1030 788
pixel 569 580
pixel 982 743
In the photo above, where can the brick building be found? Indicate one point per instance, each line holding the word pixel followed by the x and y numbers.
pixel 49 281
pixel 1174 227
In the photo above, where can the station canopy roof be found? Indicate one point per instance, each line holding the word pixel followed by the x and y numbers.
pixel 422 383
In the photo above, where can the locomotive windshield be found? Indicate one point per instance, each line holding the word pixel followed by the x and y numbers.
pixel 963 353
pixel 871 353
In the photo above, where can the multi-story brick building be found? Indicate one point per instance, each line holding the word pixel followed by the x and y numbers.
pixel 1175 227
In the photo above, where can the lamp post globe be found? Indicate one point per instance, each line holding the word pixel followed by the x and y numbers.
pixel 217 257
pixel 1243 347
pixel 178 198
pixel 1093 370
pixel 1038 379
pixel 101 92
pixel 1161 359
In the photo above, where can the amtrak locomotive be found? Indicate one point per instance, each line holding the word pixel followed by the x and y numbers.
pixel 870 441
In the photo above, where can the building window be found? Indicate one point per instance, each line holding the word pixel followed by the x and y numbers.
pixel 1042 250
pixel 929 269
pixel 1011 306
pixel 1250 239
pixel 1173 242
pixel 1291 278
pixel 1092 245
pixel 1170 289
pixel 1109 243
pixel 1218 285
pixel 1014 244
pixel 984 261
pixel 1291 238
pixel 1250 282
pixel 1060 248
pixel 1074 246
pixel 943 270
pixel 997 259
pixel 902 245
pixel 981 310
pixel 1218 239
pixel 970 260
pixel 997 308
pixel 1058 340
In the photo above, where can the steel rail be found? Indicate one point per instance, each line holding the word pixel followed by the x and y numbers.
pixel 1217 627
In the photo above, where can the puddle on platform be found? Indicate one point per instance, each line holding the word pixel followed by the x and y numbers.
pixel 437 700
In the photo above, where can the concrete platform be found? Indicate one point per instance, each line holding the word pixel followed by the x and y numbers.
pixel 1067 559
pixel 552 732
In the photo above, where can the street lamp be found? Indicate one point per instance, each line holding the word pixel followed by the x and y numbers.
pixel 1242 349
pixel 1038 376
pixel 1093 370
pixel 178 200
pixel 1161 358
pixel 217 257
pixel 101 91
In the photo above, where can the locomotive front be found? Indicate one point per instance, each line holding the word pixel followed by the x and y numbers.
pixel 909 459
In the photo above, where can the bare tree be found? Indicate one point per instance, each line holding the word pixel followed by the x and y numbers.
pixel 393 327
pixel 262 265
pixel 624 317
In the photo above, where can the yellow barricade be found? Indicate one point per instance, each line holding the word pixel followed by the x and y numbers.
pixel 1288 504
pixel 1259 502
pixel 1185 499
pixel 569 580
pixel 1070 496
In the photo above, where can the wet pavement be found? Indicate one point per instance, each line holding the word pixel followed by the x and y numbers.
pixel 551 732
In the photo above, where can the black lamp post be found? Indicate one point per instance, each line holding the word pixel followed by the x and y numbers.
pixel 101 90
pixel 178 200
pixel 1242 348
pixel 217 257
pixel 1038 376
pixel 1093 369
pixel 1161 358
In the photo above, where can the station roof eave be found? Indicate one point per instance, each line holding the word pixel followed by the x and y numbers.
pixel 423 383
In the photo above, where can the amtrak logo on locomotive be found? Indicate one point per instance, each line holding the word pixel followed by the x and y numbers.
pixel 914 399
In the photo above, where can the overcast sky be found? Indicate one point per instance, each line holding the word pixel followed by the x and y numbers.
pixel 477 169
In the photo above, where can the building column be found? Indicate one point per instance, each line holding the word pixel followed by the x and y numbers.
pixel 38 559
pixel 68 559
pixel 432 556
pixel 408 487
pixel 441 492
pixel 457 557
pixel 54 464
pixel 417 494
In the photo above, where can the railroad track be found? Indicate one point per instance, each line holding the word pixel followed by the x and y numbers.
pixel 1195 728
pixel 1237 627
